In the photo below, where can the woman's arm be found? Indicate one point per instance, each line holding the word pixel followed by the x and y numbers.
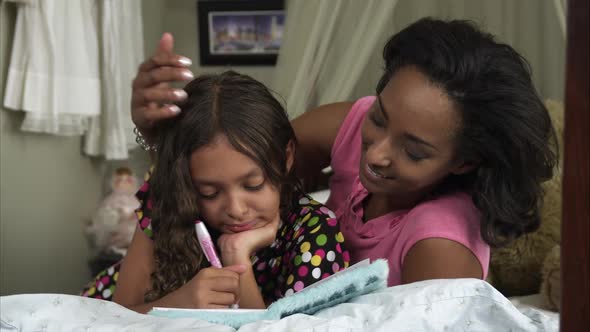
pixel 438 258
pixel 153 101
pixel 316 132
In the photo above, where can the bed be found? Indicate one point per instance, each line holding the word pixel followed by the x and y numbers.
pixel 433 305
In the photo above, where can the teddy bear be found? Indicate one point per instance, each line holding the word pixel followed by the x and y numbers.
pixel 114 221
pixel 531 264
pixel 551 286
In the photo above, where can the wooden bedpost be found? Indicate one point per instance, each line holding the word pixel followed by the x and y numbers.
pixel 575 241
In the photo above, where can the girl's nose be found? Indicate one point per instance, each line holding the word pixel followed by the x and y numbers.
pixel 237 208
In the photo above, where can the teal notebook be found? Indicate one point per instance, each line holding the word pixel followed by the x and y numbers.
pixel 360 278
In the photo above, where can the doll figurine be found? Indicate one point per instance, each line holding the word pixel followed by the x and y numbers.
pixel 114 222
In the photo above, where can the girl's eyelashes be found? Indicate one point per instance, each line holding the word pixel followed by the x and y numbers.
pixel 254 187
pixel 213 194
pixel 208 195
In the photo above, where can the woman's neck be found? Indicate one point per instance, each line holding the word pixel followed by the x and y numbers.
pixel 376 205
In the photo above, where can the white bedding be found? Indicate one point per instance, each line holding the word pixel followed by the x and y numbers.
pixel 434 305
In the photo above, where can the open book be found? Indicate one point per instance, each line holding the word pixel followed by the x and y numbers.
pixel 360 278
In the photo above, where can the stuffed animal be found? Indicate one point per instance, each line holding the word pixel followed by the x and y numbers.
pixel 532 260
pixel 551 286
pixel 114 222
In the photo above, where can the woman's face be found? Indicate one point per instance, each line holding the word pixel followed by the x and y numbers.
pixel 408 137
pixel 233 193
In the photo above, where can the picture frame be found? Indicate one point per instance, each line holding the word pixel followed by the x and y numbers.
pixel 240 32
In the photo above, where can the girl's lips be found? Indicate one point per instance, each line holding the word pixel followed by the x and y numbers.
pixel 242 227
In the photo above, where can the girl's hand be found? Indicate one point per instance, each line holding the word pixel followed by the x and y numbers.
pixel 152 98
pixel 211 288
pixel 236 248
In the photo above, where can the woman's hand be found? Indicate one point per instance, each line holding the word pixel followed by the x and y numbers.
pixel 211 288
pixel 236 248
pixel 153 99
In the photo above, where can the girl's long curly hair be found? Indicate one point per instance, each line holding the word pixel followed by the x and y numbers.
pixel 254 122
pixel 505 127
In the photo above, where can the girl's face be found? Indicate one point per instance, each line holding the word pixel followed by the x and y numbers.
pixel 408 137
pixel 233 193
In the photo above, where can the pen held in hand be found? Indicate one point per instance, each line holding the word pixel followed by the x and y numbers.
pixel 206 244
pixel 208 248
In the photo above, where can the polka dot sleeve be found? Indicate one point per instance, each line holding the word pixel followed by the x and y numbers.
pixel 315 250
pixel 144 212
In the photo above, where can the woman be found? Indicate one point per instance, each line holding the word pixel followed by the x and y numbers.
pixel 445 161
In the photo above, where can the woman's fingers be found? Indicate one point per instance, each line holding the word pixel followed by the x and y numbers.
pixel 158 95
pixel 153 99
pixel 161 74
pixel 164 55
pixel 166 43
pixel 164 59
pixel 154 113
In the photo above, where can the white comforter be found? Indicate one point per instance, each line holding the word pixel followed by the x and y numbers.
pixel 434 305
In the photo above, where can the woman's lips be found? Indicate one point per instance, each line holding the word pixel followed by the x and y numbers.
pixel 375 174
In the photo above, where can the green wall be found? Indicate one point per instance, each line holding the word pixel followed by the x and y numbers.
pixel 47 192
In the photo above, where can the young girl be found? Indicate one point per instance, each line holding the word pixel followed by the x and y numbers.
pixel 445 161
pixel 226 160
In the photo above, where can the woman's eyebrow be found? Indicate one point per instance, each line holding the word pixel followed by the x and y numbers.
pixel 409 136
pixel 381 108
pixel 418 140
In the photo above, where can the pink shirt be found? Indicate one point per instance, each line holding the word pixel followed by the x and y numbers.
pixel 391 236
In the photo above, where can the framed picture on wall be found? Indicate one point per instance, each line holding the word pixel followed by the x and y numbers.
pixel 240 32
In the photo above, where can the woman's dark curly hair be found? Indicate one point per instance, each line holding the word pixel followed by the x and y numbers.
pixel 255 124
pixel 505 127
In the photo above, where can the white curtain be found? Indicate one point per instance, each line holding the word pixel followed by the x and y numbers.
pixel 332 49
pixel 327 44
pixel 111 134
pixel 561 12
pixel 53 74
pixel 71 68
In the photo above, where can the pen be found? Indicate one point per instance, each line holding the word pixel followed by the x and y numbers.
pixel 207 244
pixel 208 248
